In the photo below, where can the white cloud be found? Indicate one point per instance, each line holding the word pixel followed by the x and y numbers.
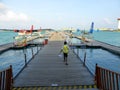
pixel 12 16
pixel 9 15
pixel 2 5
pixel 3 8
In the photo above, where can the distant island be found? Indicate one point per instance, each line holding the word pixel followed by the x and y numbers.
pixel 6 30
pixel 109 29
pixel 25 29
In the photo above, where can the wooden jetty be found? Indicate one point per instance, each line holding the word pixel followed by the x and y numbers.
pixel 47 71
pixel 99 44
pixel 111 48
pixel 5 47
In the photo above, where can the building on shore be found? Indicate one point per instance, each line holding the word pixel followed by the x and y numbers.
pixel 118 23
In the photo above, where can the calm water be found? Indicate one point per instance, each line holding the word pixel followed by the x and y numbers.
pixel 7 37
pixel 112 38
pixel 16 59
pixel 93 56
pixel 100 56
pixel 109 37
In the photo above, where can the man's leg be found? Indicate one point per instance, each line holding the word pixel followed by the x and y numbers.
pixel 66 58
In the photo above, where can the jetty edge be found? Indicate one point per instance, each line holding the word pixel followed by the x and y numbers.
pixel 98 44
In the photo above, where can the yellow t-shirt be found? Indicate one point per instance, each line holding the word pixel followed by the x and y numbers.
pixel 65 49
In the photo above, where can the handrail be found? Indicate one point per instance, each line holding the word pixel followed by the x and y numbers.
pixel 83 46
pixel 107 79
pixel 6 79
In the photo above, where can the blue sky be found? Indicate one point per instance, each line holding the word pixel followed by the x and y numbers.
pixel 57 14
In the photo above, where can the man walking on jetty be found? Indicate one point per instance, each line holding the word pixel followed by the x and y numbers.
pixel 65 50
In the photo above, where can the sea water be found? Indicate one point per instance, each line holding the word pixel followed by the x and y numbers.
pixel 16 58
pixel 93 56
pixel 109 37
pixel 7 37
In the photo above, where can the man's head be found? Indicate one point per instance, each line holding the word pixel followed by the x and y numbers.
pixel 65 42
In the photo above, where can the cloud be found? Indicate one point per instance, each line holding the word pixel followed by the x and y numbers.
pixel 12 16
pixel 8 15
pixel 3 8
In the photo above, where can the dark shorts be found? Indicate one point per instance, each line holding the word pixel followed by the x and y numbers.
pixel 65 54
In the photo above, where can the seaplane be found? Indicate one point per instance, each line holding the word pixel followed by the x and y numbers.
pixel 90 31
pixel 24 36
pixel 87 36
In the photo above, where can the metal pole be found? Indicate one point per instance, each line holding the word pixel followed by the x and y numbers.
pixel 77 52
pixel 25 59
pixel 24 52
pixel 32 52
pixel 84 58
pixel 37 48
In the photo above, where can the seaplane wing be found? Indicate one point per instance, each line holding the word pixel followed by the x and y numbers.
pixel 24 32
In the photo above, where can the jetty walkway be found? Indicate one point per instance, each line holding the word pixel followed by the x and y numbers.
pixel 5 47
pixel 111 48
pixel 47 71
pixel 96 43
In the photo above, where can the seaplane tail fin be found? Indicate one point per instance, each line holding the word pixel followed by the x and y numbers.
pixel 92 27
pixel 15 30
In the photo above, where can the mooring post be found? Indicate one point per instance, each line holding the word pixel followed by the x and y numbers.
pixel 37 48
pixel 32 52
pixel 11 74
pixel 25 59
pixel 84 58
pixel 25 56
pixel 77 52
